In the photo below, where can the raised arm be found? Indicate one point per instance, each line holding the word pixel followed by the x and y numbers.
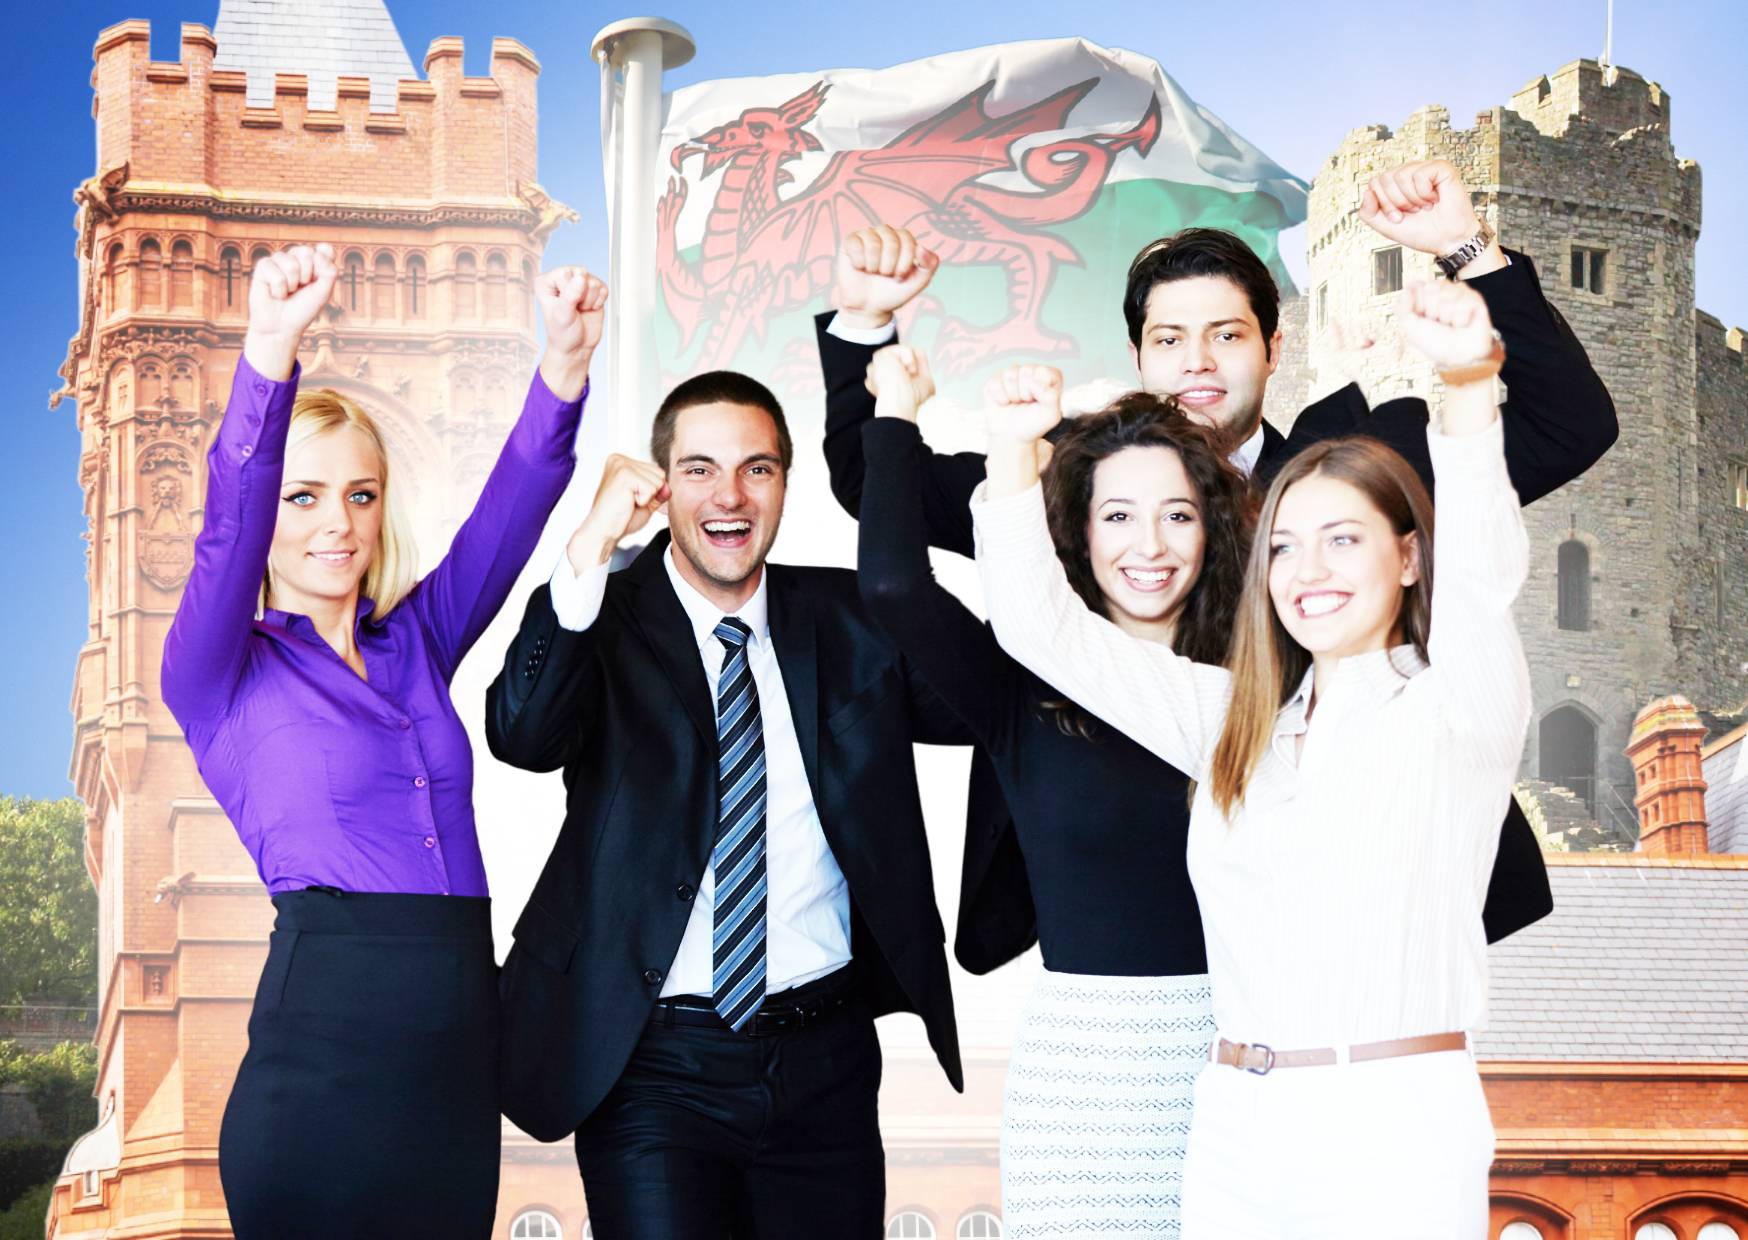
pixel 955 653
pixel 879 271
pixel 1480 553
pixel 537 706
pixel 459 597
pixel 204 650
pixel 1171 705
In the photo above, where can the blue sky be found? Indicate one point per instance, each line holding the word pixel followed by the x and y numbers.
pixel 1292 77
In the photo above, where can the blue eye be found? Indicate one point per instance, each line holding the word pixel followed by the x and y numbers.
pixel 362 497
pixel 303 499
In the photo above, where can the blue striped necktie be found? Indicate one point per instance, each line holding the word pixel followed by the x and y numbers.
pixel 738 858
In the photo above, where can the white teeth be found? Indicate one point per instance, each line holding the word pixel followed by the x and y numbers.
pixel 335 556
pixel 727 527
pixel 1149 577
pixel 1321 604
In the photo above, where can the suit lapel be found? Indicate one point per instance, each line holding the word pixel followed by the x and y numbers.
pixel 796 642
pixel 658 615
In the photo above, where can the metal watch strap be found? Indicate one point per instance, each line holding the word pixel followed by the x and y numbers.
pixel 1464 254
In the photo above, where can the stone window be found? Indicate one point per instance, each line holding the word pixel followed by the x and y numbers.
pixel 90 1184
pixel 1718 1231
pixel 1655 1231
pixel 1386 270
pixel 910 1225
pixel 466 285
pixel 1739 483
pixel 230 275
pixel 536 1225
pixel 497 276
pixel 416 287
pixel 151 273
pixel 1589 268
pixel 1322 305
pixel 1520 1230
pixel 382 288
pixel 528 291
pixel 1574 589
pixel 181 276
pixel 979 1225
pixel 352 280
pixel 111 270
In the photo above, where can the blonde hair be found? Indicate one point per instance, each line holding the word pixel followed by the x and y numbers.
pixel 1267 664
pixel 391 575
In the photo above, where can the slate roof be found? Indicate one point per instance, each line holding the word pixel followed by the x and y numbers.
pixel 322 38
pixel 1642 959
pixel 1725 766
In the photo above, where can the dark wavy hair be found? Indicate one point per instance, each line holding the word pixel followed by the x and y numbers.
pixel 1201 252
pixel 1225 502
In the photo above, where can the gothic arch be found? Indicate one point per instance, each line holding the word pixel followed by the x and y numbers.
pixel 1567 750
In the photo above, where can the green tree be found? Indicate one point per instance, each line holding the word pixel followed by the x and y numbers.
pixel 58 1082
pixel 48 909
pixel 26 1218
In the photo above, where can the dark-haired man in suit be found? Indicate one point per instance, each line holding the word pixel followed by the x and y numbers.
pixel 742 881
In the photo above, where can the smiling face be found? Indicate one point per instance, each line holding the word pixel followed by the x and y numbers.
pixel 726 488
pixel 1144 538
pixel 1337 569
pixel 1201 343
pixel 330 521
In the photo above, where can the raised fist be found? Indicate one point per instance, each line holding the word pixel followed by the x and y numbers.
pixel 1023 403
pixel 574 305
pixel 631 492
pixel 286 292
pixel 1424 206
pixel 900 380
pixel 879 270
pixel 1447 322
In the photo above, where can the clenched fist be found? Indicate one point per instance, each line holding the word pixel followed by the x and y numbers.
pixel 879 270
pixel 1425 206
pixel 1447 322
pixel 574 305
pixel 631 492
pixel 286 292
pixel 1023 403
pixel 900 381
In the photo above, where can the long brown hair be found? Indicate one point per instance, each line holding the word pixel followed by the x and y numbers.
pixel 1267 664
pixel 1226 508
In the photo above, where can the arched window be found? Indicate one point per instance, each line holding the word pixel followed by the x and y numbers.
pixel 466 282
pixel 151 282
pixel 181 276
pixel 1566 748
pixel 111 274
pixel 230 276
pixel 1718 1231
pixel 416 283
pixel 352 281
pixel 536 1225
pixel 382 288
pixel 1574 571
pixel 1655 1231
pixel 1520 1231
pixel 497 274
pixel 985 1225
pixel 910 1225
pixel 528 307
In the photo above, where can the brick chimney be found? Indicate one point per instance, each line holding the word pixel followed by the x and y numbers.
pixel 1671 798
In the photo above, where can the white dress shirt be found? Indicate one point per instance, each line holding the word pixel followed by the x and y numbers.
pixel 807 906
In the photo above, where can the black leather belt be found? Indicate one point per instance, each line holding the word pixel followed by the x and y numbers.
pixel 784 1012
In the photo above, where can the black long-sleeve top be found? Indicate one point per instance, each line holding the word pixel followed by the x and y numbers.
pixel 1101 822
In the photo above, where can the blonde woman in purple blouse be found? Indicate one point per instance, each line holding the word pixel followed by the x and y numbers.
pixel 311 672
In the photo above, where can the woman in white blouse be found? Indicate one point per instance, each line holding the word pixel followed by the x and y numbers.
pixel 1352 768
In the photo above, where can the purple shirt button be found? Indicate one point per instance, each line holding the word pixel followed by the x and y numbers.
pixel 430 841
pixel 405 724
pixel 248 451
pixel 418 781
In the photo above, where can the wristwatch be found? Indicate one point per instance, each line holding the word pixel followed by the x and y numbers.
pixel 1466 253
pixel 1481 368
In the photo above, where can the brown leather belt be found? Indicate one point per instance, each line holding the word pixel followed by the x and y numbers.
pixel 1259 1059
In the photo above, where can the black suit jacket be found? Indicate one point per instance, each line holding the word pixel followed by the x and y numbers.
pixel 626 710
pixel 1559 420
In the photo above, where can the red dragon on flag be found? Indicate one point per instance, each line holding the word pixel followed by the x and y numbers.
pixel 763 255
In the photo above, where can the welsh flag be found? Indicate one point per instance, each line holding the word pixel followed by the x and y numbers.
pixel 1036 170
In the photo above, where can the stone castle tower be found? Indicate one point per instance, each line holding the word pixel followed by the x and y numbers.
pixel 426 188
pixel 1639 570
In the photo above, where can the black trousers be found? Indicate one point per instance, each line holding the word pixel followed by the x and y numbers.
pixel 367 1104
pixel 714 1135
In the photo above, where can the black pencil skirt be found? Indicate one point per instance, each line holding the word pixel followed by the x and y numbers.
pixel 367 1104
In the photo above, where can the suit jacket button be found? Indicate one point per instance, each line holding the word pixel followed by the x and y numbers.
pixel 685 892
pixel 652 976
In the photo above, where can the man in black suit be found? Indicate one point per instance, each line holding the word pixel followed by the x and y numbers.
pixel 1203 317
pixel 742 881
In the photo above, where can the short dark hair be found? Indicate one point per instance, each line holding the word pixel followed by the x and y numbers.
pixel 717 387
pixel 1202 252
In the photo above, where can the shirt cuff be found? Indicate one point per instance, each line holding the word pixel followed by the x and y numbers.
pixel 874 337
pixel 1012 525
pixel 1473 461
pixel 576 600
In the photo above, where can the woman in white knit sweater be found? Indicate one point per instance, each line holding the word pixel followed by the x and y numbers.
pixel 1352 766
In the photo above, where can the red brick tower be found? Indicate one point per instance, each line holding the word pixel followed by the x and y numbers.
pixel 1671 799
pixel 426 189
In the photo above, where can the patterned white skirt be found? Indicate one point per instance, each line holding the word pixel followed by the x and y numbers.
pixel 1097 1107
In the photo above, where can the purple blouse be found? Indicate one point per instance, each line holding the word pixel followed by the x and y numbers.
pixel 330 779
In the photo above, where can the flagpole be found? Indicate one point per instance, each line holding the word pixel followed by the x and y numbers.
pixel 633 54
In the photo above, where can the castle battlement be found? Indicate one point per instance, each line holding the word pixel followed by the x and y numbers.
pixel 1717 341
pixel 447 138
pixel 1616 99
